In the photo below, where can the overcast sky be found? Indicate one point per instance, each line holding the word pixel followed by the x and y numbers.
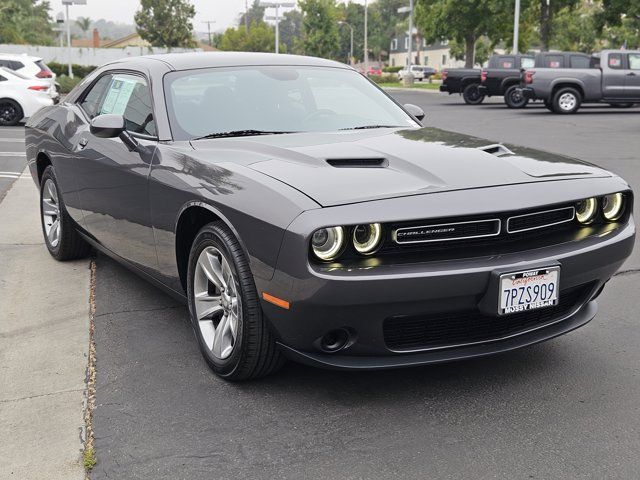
pixel 224 12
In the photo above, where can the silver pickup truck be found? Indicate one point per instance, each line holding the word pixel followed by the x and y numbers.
pixel 611 76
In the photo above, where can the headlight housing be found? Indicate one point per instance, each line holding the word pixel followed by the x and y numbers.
pixel 613 206
pixel 367 237
pixel 586 210
pixel 327 243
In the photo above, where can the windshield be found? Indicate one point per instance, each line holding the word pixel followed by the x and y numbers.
pixel 275 99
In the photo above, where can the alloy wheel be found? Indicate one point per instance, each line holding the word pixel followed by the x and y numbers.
pixel 7 113
pixel 567 101
pixel 51 213
pixel 217 302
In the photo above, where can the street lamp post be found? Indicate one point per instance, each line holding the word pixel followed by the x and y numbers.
pixel 351 48
pixel 408 77
pixel 277 6
pixel 516 27
pixel 366 44
pixel 66 3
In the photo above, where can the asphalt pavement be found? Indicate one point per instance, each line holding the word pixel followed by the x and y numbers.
pixel 12 156
pixel 568 408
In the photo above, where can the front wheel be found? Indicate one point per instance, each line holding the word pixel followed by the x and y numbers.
pixel 471 94
pixel 514 99
pixel 60 235
pixel 566 100
pixel 10 112
pixel 232 333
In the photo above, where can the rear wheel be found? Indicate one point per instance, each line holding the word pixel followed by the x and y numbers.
pixel 10 112
pixel 514 99
pixel 566 100
pixel 471 94
pixel 233 335
pixel 60 235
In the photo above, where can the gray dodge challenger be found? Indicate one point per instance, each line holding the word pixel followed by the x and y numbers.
pixel 302 213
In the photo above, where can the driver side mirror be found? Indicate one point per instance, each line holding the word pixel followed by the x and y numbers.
pixel 112 126
pixel 414 110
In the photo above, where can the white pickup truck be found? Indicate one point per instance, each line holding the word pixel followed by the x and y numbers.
pixel 611 76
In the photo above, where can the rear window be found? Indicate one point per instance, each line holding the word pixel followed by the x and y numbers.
pixel 42 66
pixel 506 63
pixel 578 61
pixel 553 61
pixel 615 61
pixel 527 62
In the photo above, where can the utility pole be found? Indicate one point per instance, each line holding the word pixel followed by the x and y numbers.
pixel 366 43
pixel 408 77
pixel 209 22
pixel 66 3
pixel 246 16
pixel 351 48
pixel 516 27
pixel 277 6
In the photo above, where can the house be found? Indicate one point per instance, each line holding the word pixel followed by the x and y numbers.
pixel 131 40
pixel 436 55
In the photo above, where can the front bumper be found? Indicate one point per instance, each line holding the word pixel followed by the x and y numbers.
pixel 362 299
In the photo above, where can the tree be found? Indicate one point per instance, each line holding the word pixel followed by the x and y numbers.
pixel 84 23
pixel 166 23
pixel 254 15
pixel 483 51
pixel 319 28
pixel 290 30
pixel 25 22
pixel 547 11
pixel 576 30
pixel 464 21
pixel 621 21
pixel 259 38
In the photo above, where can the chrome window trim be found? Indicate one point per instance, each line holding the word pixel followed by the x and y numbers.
pixel 573 215
pixel 394 234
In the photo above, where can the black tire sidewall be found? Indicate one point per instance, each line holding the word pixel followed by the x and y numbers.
pixel 213 235
pixel 508 98
pixel 19 113
pixel 49 174
pixel 467 95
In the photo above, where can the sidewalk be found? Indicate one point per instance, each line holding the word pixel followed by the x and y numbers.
pixel 44 340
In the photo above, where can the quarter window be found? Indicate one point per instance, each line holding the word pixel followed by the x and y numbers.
pixel 615 61
pixel 634 61
pixel 578 61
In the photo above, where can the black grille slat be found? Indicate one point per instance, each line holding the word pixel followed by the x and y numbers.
pixel 459 328
pixel 540 220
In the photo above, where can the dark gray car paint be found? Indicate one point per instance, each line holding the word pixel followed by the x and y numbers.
pixel 274 191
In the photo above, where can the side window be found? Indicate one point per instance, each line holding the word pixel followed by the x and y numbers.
pixel 2 79
pixel 506 63
pixel 615 61
pixel 92 100
pixel 554 61
pixel 578 61
pixel 16 65
pixel 634 61
pixel 4 63
pixel 527 62
pixel 129 95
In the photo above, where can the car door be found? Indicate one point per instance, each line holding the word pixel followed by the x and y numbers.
pixel 632 78
pixel 614 77
pixel 113 182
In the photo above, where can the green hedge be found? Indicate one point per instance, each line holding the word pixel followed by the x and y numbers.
pixel 78 70
pixel 67 83
pixel 384 78
pixel 391 69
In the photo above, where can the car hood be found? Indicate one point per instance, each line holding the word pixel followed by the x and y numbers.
pixel 337 168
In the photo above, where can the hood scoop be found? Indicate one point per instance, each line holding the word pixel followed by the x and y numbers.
pixel 497 150
pixel 358 162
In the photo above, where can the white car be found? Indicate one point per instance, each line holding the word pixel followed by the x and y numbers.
pixel 21 96
pixel 416 70
pixel 33 67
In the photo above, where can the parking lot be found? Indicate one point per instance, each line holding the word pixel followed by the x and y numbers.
pixel 568 408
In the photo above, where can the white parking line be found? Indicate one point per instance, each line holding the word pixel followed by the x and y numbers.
pixel 13 154
pixel 12 140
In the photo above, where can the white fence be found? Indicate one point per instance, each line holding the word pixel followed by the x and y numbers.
pixel 85 56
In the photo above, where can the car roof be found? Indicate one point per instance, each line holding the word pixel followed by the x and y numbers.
pixel 191 60
pixel 15 56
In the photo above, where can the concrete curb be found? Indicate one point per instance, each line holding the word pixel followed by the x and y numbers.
pixel 44 341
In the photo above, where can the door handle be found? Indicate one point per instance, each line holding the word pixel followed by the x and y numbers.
pixel 83 143
pixel 631 74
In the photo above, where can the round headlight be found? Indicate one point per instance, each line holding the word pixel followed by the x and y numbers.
pixel 613 206
pixel 366 238
pixel 586 210
pixel 327 243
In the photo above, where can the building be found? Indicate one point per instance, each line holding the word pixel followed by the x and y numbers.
pixel 435 55
pixel 131 40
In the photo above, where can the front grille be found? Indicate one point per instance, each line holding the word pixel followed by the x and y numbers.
pixel 468 327
pixel 532 221
pixel 447 231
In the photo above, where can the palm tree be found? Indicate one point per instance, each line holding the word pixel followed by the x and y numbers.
pixel 84 23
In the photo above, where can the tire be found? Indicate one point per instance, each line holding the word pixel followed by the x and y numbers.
pixel 60 235
pixel 621 105
pixel 566 100
pixel 251 352
pixel 514 99
pixel 548 105
pixel 472 95
pixel 10 112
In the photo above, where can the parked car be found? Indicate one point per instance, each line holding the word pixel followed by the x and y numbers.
pixel 417 71
pixel 612 76
pixel 502 77
pixel 374 71
pixel 330 227
pixel 29 66
pixel 21 97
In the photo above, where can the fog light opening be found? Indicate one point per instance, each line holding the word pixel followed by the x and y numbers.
pixel 335 340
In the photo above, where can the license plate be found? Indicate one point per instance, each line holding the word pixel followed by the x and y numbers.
pixel 529 290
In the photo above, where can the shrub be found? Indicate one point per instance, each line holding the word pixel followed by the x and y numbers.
pixel 78 70
pixel 384 78
pixel 67 83
pixel 391 69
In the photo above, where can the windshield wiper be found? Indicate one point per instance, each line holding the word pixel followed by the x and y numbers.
pixel 239 133
pixel 366 127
